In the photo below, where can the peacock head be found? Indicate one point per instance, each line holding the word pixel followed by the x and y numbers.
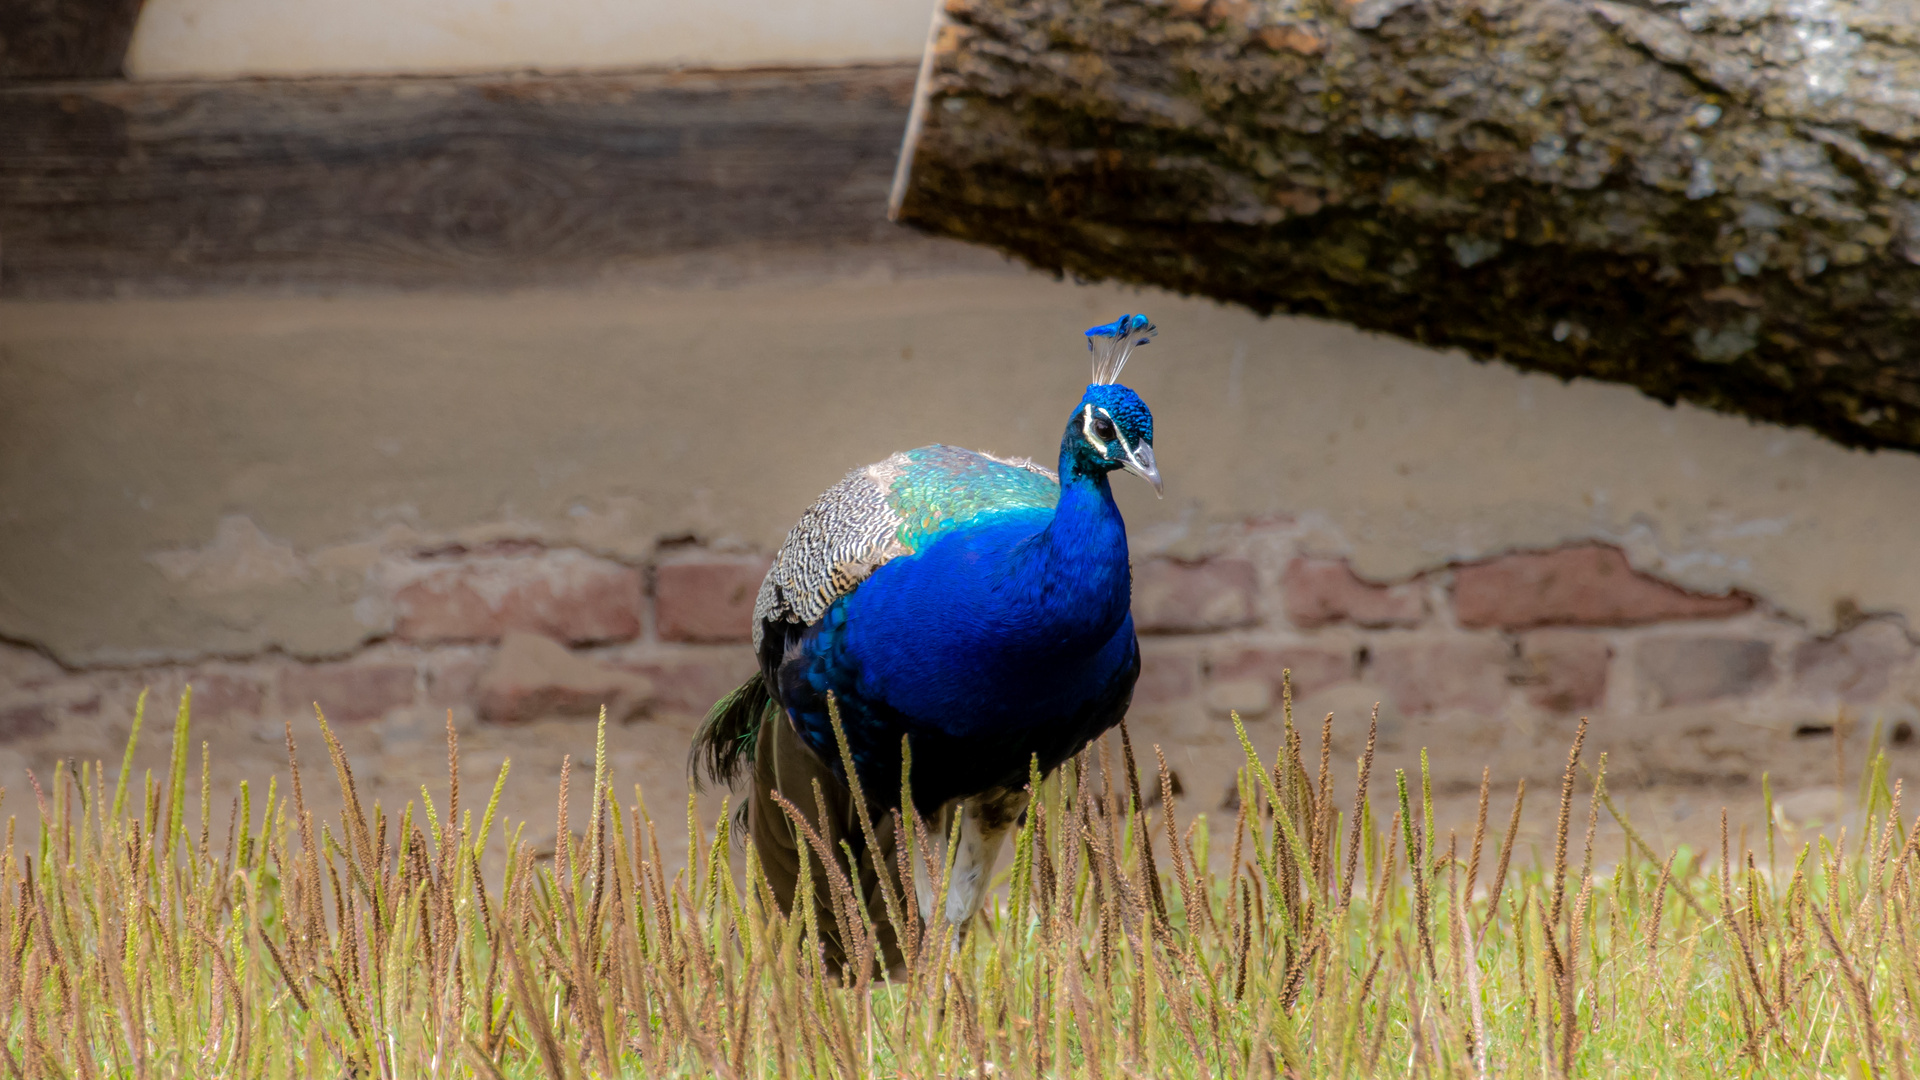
pixel 1111 427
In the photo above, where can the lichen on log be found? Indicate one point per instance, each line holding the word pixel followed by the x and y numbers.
pixel 1715 201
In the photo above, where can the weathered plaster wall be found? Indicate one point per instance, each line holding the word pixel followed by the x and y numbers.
pixel 212 38
pixel 521 506
pixel 330 431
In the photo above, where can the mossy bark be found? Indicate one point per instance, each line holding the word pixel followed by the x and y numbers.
pixel 1709 201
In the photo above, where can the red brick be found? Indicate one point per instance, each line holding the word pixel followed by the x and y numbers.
pixel 1855 666
pixel 533 677
pixel 707 598
pixel 1320 592
pixel 24 721
pixel 1583 585
pixel 1428 676
pixel 347 693
pixel 1692 670
pixel 1314 669
pixel 1564 671
pixel 1171 597
pixel 566 595
pixel 217 696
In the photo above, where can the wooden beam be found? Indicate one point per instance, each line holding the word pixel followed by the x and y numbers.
pixel 1718 204
pixel 111 187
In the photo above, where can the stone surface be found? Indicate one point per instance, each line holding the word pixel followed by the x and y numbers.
pixel 26 668
pixel 1691 670
pixel 1320 592
pixel 239 693
pixel 1810 807
pixel 689 685
pixel 1427 676
pixel 1564 671
pixel 566 595
pixel 1854 666
pixel 421 729
pixel 24 721
pixel 1314 668
pixel 532 677
pixel 1352 705
pixel 1166 676
pixel 1175 597
pixel 707 597
pixel 240 556
pixel 1583 585
pixel 1251 698
pixel 454 679
pixel 350 692
pixel 217 695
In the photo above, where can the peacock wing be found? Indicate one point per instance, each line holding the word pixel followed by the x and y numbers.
pixel 883 511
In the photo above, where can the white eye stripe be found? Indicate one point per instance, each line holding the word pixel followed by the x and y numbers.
pixel 1086 428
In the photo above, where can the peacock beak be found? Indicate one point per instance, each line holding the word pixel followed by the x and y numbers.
pixel 1140 463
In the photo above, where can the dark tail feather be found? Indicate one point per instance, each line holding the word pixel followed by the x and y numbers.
pixel 726 739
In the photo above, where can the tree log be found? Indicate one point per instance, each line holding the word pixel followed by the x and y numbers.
pixel 1716 202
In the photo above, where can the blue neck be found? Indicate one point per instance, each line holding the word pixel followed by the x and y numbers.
pixel 1074 577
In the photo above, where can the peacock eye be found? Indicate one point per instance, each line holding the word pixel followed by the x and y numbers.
pixel 1103 428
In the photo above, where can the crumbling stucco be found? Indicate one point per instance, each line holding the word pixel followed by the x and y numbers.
pixel 314 444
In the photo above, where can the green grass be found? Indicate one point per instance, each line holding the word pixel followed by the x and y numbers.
pixel 375 946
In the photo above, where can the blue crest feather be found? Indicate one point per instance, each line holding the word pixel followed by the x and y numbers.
pixel 1112 343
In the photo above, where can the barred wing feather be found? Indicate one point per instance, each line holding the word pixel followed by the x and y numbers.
pixel 883 511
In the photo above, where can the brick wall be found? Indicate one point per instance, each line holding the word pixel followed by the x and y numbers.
pixel 1485 663
pixel 1492 662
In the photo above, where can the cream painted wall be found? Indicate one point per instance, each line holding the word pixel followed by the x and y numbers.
pixel 220 38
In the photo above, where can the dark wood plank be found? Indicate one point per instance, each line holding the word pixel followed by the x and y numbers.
pixel 65 39
pixel 113 187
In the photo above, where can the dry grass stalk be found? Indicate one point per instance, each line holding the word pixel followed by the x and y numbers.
pixel 139 943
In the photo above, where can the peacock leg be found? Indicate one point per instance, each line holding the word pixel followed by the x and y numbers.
pixel 931 858
pixel 985 820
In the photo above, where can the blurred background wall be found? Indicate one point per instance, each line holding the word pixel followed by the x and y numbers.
pixel 482 365
pixel 201 38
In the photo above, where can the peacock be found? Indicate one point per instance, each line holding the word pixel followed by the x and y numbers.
pixel 974 604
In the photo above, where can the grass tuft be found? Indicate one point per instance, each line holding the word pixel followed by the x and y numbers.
pixel 1326 945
